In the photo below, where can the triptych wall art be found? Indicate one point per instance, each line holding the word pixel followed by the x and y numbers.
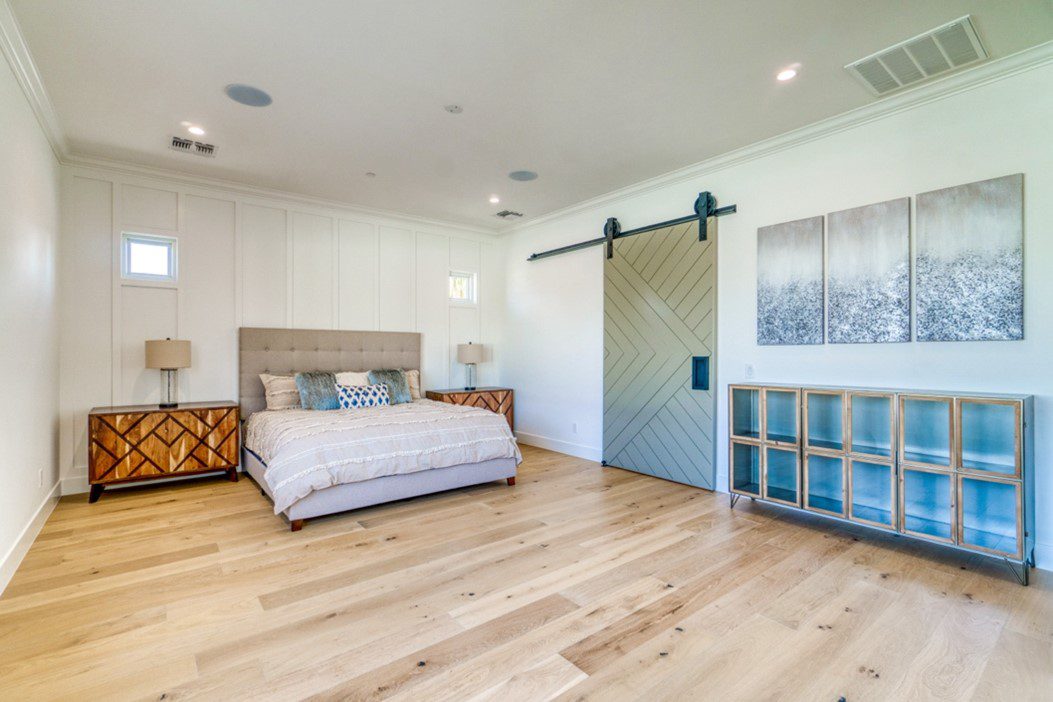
pixel 968 271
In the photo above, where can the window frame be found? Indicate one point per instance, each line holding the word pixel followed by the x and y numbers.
pixel 169 242
pixel 473 288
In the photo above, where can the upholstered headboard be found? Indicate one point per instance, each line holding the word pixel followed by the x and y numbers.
pixel 289 351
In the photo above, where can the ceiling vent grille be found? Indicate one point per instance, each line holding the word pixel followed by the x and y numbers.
pixel 189 146
pixel 509 214
pixel 946 48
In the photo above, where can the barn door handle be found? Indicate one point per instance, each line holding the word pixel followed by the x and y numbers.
pixel 700 373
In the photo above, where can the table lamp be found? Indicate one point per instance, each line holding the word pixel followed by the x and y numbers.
pixel 168 355
pixel 469 354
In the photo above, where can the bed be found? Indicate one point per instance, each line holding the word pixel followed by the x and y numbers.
pixel 312 464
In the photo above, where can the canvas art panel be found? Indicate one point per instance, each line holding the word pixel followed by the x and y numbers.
pixel 868 274
pixel 970 262
pixel 790 283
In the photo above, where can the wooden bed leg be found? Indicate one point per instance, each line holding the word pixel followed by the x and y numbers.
pixel 296 524
pixel 512 480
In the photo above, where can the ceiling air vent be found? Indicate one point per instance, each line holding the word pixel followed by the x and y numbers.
pixel 189 146
pixel 508 214
pixel 940 50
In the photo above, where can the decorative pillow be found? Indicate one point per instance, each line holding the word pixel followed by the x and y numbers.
pixel 398 387
pixel 352 378
pixel 413 378
pixel 355 396
pixel 281 391
pixel 317 390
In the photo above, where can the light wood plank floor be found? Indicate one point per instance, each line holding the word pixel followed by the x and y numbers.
pixel 578 583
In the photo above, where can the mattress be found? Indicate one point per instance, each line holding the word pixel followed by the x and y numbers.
pixel 306 451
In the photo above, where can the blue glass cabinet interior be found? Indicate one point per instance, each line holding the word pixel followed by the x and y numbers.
pixel 951 468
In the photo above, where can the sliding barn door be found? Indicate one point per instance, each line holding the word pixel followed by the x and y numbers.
pixel 659 332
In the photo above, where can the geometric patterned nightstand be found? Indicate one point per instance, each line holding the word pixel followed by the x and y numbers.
pixel 147 442
pixel 500 400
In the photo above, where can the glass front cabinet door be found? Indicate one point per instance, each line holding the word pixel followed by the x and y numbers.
pixel 824 420
pixel 926 430
pixel 872 422
pixel 927 504
pixel 824 480
pixel 781 476
pixel 989 437
pixel 781 409
pixel 990 515
pixel 745 413
pixel 745 468
pixel 873 493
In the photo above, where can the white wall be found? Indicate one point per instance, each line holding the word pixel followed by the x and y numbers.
pixel 554 342
pixel 29 222
pixel 245 260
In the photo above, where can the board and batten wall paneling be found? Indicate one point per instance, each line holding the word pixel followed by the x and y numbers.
pixel 205 283
pixel 398 280
pixel 313 266
pixel 491 309
pixel 263 266
pixel 244 260
pixel 358 275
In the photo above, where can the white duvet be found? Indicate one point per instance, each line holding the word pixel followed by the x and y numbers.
pixel 307 450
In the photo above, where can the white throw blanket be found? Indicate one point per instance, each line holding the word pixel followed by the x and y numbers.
pixel 307 450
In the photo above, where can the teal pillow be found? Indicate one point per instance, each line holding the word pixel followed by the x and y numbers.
pixel 395 380
pixel 317 390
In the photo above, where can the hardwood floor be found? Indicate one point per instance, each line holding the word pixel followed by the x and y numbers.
pixel 579 583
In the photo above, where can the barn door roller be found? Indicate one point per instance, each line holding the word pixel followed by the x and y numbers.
pixel 705 207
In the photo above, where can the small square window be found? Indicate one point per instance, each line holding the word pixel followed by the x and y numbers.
pixel 148 257
pixel 462 287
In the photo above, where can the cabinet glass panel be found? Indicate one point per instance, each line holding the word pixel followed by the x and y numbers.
pixel 872 491
pixel 826 484
pixel 780 475
pixel 745 413
pixel 988 437
pixel 780 416
pixel 745 468
pixel 989 514
pixel 927 507
pixel 872 424
pixel 825 428
pixel 926 427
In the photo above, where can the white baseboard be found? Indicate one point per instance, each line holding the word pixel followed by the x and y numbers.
pixel 591 453
pixel 1044 556
pixel 11 560
pixel 74 484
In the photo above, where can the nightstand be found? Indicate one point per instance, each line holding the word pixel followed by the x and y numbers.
pixel 147 442
pixel 498 400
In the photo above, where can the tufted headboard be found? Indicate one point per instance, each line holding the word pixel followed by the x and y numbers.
pixel 289 351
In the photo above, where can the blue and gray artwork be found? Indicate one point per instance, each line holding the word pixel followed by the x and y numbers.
pixel 868 274
pixel 790 283
pixel 970 262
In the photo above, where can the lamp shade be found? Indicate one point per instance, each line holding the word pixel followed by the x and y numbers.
pixel 469 353
pixel 167 353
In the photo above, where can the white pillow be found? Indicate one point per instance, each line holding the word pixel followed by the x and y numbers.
pixel 352 378
pixel 281 391
pixel 413 380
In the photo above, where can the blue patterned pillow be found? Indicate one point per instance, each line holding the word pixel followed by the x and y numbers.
pixel 355 396
pixel 317 390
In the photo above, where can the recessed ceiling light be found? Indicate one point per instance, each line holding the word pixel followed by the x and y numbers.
pixel 788 74
pixel 196 131
pixel 522 175
pixel 370 174
pixel 494 199
pixel 454 109
pixel 247 95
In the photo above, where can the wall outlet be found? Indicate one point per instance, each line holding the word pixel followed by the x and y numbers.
pixel 749 371
pixel 40 478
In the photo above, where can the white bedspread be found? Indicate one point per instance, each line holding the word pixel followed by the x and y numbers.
pixel 307 450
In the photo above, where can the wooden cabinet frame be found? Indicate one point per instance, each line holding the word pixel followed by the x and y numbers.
pixel 951 440
pixel 1018 438
pixel 960 509
pixel 806 437
pixel 760 412
pixel 952 489
pixel 760 467
pixel 844 482
pixel 796 474
pixel 798 430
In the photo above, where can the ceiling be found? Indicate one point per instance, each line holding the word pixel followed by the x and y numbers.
pixel 593 95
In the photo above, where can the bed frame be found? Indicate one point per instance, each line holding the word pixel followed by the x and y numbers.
pixel 288 351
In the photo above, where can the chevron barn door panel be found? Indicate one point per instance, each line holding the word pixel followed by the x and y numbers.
pixel 658 313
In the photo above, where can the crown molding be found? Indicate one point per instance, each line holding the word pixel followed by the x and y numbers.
pixel 989 72
pixel 14 48
pixel 246 190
